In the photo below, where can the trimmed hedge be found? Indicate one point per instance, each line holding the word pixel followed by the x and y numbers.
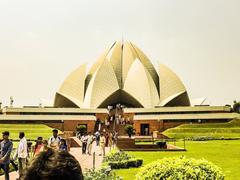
pixel 116 155
pixel 126 164
pixel 180 168
pixel 121 160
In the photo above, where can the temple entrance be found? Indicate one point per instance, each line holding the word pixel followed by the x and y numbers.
pixel 144 130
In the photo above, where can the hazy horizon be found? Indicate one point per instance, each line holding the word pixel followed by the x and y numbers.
pixel 41 42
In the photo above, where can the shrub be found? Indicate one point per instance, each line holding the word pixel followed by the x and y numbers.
pixel 129 130
pixel 161 144
pixel 81 129
pixel 180 168
pixel 121 160
pixel 116 156
pixel 104 173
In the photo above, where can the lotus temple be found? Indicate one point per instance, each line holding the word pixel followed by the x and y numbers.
pixel 121 85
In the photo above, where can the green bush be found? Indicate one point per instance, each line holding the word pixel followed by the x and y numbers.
pixel 162 144
pixel 129 129
pixel 117 156
pixel 121 160
pixel 104 173
pixel 125 164
pixel 180 169
pixel 81 129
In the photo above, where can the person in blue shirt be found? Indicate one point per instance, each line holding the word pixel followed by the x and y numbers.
pixel 5 151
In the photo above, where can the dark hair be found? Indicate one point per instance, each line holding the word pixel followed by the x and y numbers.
pixel 51 165
pixel 6 133
pixel 39 138
pixel 21 134
pixel 45 141
pixel 64 141
pixel 55 130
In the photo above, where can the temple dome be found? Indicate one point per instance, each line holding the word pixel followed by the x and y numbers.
pixel 123 74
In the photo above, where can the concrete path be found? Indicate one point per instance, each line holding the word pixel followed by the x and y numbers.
pixel 86 161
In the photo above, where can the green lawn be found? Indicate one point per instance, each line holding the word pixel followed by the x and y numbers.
pixel 225 154
pixel 32 131
pixel 226 130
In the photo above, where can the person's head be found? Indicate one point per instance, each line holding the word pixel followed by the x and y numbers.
pixel 5 135
pixel 55 132
pixel 89 133
pixel 45 143
pixel 21 135
pixel 63 141
pixel 51 165
pixel 39 140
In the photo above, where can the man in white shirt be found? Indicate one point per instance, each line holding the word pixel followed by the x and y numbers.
pixel 21 153
pixel 84 140
pixel 54 141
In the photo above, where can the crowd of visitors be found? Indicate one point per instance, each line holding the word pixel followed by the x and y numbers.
pixel 46 152
pixel 103 140
pixel 22 156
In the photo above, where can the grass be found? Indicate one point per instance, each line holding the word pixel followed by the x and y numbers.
pixel 32 131
pixel 225 154
pixel 226 130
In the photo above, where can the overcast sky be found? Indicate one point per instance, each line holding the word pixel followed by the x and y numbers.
pixel 41 42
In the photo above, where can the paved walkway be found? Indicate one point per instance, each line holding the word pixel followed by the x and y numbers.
pixel 86 161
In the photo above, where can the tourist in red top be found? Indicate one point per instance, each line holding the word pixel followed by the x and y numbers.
pixel 38 146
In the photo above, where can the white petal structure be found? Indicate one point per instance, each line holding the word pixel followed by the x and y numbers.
pixel 173 92
pixel 123 74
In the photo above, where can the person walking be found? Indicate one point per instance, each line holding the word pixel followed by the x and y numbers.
pixel 107 139
pixel 44 147
pixel 5 151
pixel 84 140
pixel 102 144
pixel 38 146
pixel 21 153
pixel 54 141
pixel 97 137
pixel 89 143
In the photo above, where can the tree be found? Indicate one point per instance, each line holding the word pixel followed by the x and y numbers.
pixel 129 130
pixel 236 106
pixel 81 129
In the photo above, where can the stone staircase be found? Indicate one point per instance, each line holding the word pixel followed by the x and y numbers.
pixel 118 127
